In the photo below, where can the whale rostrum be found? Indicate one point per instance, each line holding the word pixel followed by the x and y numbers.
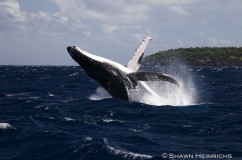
pixel 116 78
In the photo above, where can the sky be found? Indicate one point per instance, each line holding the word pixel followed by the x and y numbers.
pixel 37 32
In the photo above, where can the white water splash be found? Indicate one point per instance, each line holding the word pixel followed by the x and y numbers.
pixel 169 94
pixel 100 94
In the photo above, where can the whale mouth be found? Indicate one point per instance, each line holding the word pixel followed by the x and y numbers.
pixel 69 48
pixel 72 50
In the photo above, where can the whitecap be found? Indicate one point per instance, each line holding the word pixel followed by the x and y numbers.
pixel 34 97
pixel 111 120
pixel 124 153
pixel 111 113
pixel 45 117
pixel 39 106
pixel 50 94
pixel 6 126
pixel 51 118
pixel 28 101
pixel 187 126
pixel 9 95
pixel 108 120
pixel 69 119
pixel 15 94
pixel 135 130
pixel 87 138
pixel 69 100
pixel 23 94
pixel 73 74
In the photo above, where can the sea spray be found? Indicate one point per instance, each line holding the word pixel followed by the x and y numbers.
pixel 100 94
pixel 168 93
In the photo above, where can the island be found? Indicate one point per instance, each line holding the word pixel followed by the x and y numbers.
pixel 198 56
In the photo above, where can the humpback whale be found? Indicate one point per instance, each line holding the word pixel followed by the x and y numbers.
pixel 116 78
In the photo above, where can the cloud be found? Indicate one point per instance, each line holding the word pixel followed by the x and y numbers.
pixel 219 42
pixel 170 2
pixel 85 15
pixel 108 11
pixel 14 20
pixel 94 25
pixel 110 29
pixel 180 10
pixel 11 9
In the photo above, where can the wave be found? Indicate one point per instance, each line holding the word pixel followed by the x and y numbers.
pixel 73 74
pixel 15 94
pixel 87 138
pixel 124 153
pixel 112 120
pixel 6 126
pixel 69 119
pixel 135 130
pixel 50 94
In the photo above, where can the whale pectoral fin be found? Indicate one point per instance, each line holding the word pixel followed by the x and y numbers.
pixel 134 63
pixel 150 76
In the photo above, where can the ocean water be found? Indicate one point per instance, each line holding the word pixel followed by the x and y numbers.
pixel 60 113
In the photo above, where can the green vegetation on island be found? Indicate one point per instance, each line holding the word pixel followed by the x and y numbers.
pixel 199 56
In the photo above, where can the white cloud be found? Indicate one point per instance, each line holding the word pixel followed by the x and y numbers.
pixel 94 25
pixel 219 42
pixel 180 10
pixel 110 29
pixel 14 19
pixel 87 34
pixel 169 2
pixel 11 8
pixel 108 11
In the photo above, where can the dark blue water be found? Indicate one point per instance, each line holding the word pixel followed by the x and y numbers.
pixel 46 113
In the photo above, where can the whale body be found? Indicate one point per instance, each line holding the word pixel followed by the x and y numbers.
pixel 116 78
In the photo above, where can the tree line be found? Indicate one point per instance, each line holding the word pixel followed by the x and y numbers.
pixel 198 56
